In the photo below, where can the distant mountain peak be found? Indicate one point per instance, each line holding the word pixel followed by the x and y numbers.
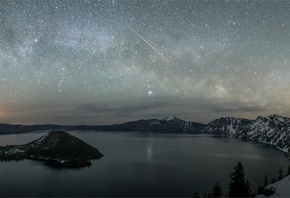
pixel 170 118
pixel 228 119
pixel 229 125
pixel 273 117
pixel 279 117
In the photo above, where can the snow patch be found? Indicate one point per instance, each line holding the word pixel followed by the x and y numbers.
pixel 281 188
pixel 169 118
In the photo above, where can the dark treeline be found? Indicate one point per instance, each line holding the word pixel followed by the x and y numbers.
pixel 240 187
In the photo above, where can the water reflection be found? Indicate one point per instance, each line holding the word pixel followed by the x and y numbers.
pixel 149 151
pixel 143 165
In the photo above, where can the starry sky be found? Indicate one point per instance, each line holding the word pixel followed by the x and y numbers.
pixel 102 62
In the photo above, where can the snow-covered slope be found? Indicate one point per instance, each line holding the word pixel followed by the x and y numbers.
pixel 281 188
pixel 170 118
pixel 274 130
pixel 227 125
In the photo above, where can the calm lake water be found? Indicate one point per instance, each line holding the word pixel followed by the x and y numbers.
pixel 139 164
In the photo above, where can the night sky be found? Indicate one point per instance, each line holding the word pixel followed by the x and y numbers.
pixel 102 62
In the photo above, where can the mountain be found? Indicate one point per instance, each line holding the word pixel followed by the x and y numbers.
pixel 273 129
pixel 168 124
pixel 227 125
pixel 57 147
pixel 172 118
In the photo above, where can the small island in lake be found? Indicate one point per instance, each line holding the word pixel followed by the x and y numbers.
pixel 58 148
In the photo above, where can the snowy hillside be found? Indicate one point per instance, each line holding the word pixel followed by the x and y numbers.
pixel 281 188
pixel 226 125
pixel 273 130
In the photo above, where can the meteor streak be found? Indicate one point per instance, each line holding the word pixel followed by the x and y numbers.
pixel 60 82
pixel 150 45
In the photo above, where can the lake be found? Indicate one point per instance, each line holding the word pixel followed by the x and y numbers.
pixel 142 164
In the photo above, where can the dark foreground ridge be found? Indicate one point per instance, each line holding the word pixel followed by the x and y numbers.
pixel 55 148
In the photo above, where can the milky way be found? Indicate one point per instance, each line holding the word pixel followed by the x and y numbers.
pixel 98 62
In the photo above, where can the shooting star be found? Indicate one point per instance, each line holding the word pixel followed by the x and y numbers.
pixel 150 45
pixel 60 82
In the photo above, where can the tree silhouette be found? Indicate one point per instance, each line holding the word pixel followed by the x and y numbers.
pixel 260 190
pixel 195 195
pixel 217 191
pixel 280 174
pixel 266 181
pixel 248 188
pixel 238 187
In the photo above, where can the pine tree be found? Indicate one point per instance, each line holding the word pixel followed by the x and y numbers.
pixel 196 195
pixel 248 188
pixel 280 174
pixel 260 190
pixel 217 191
pixel 238 187
pixel 266 181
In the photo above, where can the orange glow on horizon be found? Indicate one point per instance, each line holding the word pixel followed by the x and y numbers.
pixel 2 114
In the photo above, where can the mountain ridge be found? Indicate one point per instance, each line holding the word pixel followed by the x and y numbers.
pixel 273 129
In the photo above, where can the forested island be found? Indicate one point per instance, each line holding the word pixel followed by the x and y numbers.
pixel 55 148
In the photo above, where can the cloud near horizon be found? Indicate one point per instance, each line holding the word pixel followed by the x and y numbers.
pixel 119 112
pixel 94 62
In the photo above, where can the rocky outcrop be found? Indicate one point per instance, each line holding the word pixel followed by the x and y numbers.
pixel 58 148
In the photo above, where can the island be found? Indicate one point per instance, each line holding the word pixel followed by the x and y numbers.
pixel 57 148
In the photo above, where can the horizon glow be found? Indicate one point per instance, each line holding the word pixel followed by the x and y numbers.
pixel 103 62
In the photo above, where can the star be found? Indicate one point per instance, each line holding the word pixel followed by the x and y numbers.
pixel 58 57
